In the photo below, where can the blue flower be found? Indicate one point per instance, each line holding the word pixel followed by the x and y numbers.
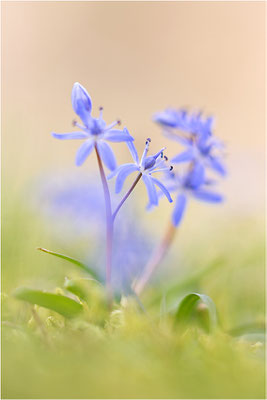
pixel 205 151
pixel 193 124
pixel 68 200
pixel 195 132
pixel 93 130
pixel 191 184
pixel 147 166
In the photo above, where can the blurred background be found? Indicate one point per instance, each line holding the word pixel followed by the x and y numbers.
pixel 134 58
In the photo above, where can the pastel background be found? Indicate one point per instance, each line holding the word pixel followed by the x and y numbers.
pixel 134 58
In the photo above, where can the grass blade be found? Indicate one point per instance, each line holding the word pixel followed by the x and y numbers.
pixel 61 304
pixel 73 261
pixel 74 287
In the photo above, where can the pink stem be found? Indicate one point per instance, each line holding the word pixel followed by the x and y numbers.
pixel 109 224
pixel 127 195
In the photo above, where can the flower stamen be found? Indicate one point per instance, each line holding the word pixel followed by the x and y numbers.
pixel 148 141
pixel 110 126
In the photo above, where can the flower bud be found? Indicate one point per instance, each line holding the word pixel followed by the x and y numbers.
pixel 81 102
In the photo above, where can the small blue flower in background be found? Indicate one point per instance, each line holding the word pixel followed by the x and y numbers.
pixel 191 184
pixel 146 166
pixel 180 119
pixel 74 204
pixel 195 132
pixel 202 150
pixel 93 130
pixel 71 200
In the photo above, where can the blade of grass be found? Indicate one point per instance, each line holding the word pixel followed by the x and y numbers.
pixel 73 261
pixel 61 304
pixel 73 286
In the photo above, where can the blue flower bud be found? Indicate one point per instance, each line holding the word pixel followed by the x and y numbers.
pixel 81 102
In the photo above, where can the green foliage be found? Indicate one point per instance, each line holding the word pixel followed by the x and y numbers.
pixel 134 351
pixel 61 304
pixel 199 306
pixel 78 263
pixel 131 356
pixel 77 287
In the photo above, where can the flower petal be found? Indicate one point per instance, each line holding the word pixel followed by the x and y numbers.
pixel 133 151
pixel 210 197
pixel 81 102
pixel 186 155
pixel 196 176
pixel 84 151
pixel 151 190
pixel 178 137
pixel 163 188
pixel 217 166
pixel 167 117
pixel 117 170
pixel 107 155
pixel 71 135
pixel 179 209
pixel 126 170
pixel 115 135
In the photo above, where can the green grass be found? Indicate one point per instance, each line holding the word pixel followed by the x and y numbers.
pixel 159 353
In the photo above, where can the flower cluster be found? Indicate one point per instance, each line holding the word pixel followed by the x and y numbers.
pixel 202 151
pixel 193 131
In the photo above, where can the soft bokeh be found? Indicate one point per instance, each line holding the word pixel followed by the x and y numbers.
pixel 136 58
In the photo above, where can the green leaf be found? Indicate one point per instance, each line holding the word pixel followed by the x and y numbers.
pixel 74 286
pixel 61 304
pixel 73 261
pixel 201 308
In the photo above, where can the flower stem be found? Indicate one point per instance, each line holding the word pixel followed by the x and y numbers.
pixel 109 224
pixel 126 196
pixel 156 258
